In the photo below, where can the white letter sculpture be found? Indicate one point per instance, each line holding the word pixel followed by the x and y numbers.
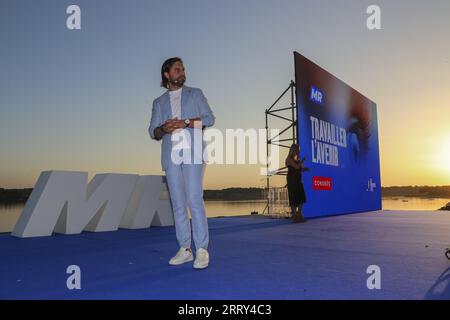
pixel 61 203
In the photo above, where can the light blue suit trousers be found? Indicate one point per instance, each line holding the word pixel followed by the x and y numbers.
pixel 185 182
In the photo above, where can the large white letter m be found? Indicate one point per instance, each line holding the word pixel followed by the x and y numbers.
pixel 63 202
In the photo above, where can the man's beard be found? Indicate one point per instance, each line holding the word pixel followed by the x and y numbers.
pixel 178 82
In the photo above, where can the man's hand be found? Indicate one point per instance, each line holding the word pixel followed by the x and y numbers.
pixel 172 124
pixel 168 127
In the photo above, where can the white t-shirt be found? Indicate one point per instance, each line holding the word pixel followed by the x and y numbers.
pixel 175 103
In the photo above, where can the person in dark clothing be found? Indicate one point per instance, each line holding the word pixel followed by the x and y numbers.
pixel 296 191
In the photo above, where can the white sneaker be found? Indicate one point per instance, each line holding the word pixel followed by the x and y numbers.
pixel 201 259
pixel 183 255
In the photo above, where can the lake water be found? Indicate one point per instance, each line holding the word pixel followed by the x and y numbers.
pixel 10 214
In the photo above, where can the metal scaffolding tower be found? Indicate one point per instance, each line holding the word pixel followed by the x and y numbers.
pixel 292 124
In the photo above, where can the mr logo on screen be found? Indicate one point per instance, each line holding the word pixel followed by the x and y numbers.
pixel 316 96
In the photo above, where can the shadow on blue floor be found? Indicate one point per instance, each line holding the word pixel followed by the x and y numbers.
pixel 441 289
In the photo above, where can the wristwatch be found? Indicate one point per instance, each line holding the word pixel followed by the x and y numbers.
pixel 186 123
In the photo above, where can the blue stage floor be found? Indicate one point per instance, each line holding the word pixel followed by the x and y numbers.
pixel 251 258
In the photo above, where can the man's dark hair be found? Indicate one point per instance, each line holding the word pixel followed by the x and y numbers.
pixel 166 67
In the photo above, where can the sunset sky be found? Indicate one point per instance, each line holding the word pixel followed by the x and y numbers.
pixel 81 100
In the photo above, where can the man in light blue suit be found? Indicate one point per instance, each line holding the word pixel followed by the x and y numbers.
pixel 178 118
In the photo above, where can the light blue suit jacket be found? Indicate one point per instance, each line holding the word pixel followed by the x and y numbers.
pixel 193 105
